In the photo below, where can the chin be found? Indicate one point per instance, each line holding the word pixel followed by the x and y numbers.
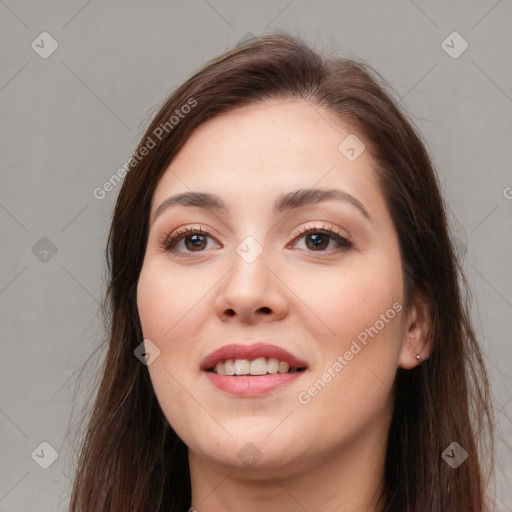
pixel 252 451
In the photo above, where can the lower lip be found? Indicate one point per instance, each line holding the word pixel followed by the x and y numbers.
pixel 254 385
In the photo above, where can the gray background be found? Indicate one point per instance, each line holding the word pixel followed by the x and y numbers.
pixel 69 121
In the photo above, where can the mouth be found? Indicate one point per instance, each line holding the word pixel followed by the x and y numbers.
pixel 252 370
pixel 258 366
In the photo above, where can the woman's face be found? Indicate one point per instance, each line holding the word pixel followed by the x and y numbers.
pixel 262 278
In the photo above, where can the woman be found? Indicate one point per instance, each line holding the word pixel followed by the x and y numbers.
pixel 287 325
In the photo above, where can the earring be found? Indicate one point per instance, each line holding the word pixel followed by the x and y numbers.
pixel 418 358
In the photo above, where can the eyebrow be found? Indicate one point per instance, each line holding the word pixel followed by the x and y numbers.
pixel 285 202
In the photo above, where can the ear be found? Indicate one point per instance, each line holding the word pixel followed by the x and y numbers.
pixel 416 334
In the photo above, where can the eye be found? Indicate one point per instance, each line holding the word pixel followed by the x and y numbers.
pixel 194 240
pixel 317 239
pixel 321 239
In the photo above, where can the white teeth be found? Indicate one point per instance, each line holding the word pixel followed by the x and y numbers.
pixel 242 367
pixel 258 366
pixel 283 367
pixel 272 365
pixel 229 367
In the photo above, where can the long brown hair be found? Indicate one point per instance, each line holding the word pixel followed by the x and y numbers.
pixel 130 457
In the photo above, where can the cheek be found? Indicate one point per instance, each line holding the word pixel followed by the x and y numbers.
pixel 163 303
pixel 338 304
pixel 164 299
pixel 165 315
pixel 152 301
pixel 359 336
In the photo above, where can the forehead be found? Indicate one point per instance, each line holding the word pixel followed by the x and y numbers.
pixel 288 130
pixel 257 152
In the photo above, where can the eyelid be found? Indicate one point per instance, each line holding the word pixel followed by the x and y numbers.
pixel 177 235
pixel 169 241
pixel 326 227
pixel 339 236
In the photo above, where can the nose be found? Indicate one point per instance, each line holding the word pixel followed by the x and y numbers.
pixel 251 292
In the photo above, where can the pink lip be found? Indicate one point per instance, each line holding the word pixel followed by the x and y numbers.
pixel 251 352
pixel 253 385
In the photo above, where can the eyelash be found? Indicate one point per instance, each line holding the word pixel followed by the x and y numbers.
pixel 171 240
pixel 344 243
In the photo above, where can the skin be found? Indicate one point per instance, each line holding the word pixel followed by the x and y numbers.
pixel 327 454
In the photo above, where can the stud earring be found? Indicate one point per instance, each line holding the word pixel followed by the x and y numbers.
pixel 418 358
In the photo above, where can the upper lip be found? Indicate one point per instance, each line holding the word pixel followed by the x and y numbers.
pixel 251 352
